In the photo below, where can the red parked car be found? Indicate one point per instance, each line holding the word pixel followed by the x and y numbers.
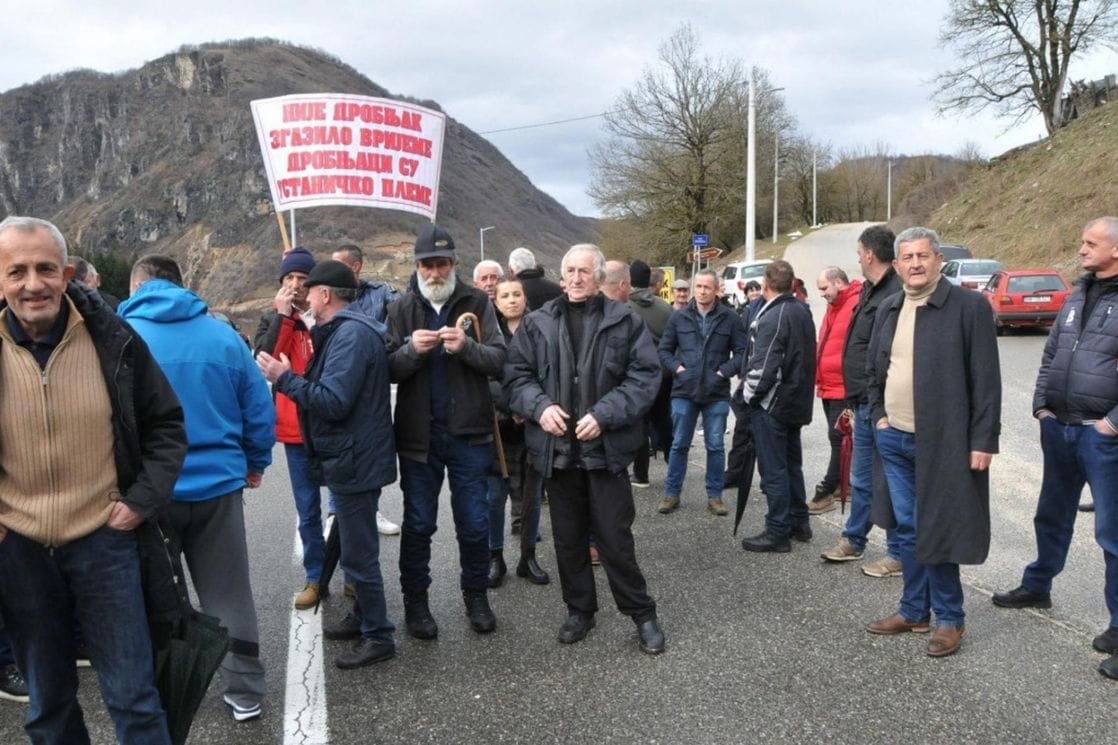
pixel 1026 297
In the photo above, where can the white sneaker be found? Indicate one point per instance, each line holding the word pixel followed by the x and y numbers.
pixel 386 526
pixel 242 713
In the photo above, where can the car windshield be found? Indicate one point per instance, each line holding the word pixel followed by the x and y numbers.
pixel 979 267
pixel 1035 283
pixel 729 272
pixel 753 271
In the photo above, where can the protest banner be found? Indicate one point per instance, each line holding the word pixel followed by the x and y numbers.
pixel 336 149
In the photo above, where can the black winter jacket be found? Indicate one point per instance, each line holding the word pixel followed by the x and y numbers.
pixel 619 374
pixel 703 357
pixel 343 405
pixel 856 346
pixel 1078 378
pixel 779 374
pixel 470 412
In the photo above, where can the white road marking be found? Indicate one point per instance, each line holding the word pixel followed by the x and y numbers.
pixel 304 716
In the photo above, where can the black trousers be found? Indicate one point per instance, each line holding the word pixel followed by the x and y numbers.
pixel 599 501
pixel 832 409
pixel 658 426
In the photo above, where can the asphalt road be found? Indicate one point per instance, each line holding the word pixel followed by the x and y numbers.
pixel 761 648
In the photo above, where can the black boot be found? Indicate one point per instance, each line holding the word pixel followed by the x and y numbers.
pixel 497 567
pixel 417 616
pixel 529 569
pixel 478 611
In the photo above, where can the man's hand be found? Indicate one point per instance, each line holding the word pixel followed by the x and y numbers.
pixel 980 461
pixel 553 420
pixel 283 301
pixel 271 367
pixel 424 340
pixel 1043 414
pixel 883 423
pixel 252 480
pixel 1102 426
pixel 587 428
pixel 679 370
pixel 123 517
pixel 453 338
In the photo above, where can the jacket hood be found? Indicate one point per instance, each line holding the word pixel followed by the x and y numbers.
pixel 162 301
pixel 355 315
pixel 642 296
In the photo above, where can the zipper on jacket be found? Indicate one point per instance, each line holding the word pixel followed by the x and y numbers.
pixel 1102 321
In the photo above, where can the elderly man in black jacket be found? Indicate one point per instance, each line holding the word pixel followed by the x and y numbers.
pixel 779 388
pixel 582 371
pixel 933 364
pixel 444 423
pixel 343 414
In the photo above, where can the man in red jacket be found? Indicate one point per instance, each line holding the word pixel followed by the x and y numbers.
pixel 841 296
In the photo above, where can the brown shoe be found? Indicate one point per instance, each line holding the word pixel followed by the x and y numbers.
pixel 945 640
pixel 822 504
pixel 716 507
pixel 308 597
pixel 668 505
pixel 897 624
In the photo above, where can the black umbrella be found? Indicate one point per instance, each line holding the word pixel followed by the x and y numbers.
pixel 744 485
pixel 330 557
pixel 188 646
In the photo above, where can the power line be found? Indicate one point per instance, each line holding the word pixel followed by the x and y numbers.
pixel 544 124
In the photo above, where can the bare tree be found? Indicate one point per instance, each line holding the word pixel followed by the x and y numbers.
pixel 1015 53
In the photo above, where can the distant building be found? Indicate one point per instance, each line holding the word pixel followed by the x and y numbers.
pixel 1085 96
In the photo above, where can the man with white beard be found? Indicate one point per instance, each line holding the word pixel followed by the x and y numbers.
pixel 443 424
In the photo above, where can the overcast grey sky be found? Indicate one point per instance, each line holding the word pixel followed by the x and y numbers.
pixel 855 73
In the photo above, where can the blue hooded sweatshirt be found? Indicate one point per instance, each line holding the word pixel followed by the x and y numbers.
pixel 230 419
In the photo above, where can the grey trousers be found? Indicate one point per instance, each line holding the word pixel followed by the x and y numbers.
pixel 211 535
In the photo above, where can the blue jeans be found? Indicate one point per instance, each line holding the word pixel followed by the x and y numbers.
pixel 308 503
pixel 468 469
pixel 95 579
pixel 861 485
pixel 1075 454
pixel 780 461
pixel 684 415
pixel 356 515
pixel 927 587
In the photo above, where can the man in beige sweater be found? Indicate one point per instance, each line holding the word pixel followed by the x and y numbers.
pixel 91 442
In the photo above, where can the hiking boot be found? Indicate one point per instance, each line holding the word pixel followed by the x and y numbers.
pixel 716 507
pixel 945 640
pixel 886 566
pixel 417 616
pixel 819 505
pixel 365 652
pixel 13 687
pixel 575 628
pixel 842 551
pixel 668 504
pixel 348 628
pixel 478 611
pixel 308 598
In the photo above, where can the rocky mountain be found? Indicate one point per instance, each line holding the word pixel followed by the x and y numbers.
pixel 165 159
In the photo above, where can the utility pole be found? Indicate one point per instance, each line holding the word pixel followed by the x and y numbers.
pixel 814 190
pixel 481 239
pixel 776 181
pixel 750 176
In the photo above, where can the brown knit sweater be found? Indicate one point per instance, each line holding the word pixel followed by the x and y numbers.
pixel 57 474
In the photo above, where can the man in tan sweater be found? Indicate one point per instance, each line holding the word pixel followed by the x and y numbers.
pixel 85 460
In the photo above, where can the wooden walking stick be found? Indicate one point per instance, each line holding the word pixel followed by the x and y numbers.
pixel 468 322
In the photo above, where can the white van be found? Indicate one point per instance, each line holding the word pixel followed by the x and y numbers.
pixel 736 275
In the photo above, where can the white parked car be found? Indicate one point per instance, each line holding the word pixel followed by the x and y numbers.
pixel 971 273
pixel 736 275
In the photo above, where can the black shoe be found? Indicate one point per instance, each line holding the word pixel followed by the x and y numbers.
pixel 766 541
pixel 1107 641
pixel 802 534
pixel 348 628
pixel 575 628
pixel 478 611
pixel 1022 597
pixel 12 685
pixel 365 652
pixel 417 616
pixel 529 569
pixel 1109 667
pixel 651 637
pixel 497 568
pixel 1086 506
pixel 822 492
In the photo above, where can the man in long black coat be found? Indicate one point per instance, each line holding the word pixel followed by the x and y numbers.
pixel 935 397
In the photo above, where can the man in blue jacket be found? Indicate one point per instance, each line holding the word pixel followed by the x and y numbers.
pixel 347 429
pixel 780 391
pixel 230 429
pixel 701 349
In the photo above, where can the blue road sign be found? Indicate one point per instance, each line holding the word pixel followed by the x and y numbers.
pixel 699 239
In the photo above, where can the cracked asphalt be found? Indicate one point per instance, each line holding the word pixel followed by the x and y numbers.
pixel 761 648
